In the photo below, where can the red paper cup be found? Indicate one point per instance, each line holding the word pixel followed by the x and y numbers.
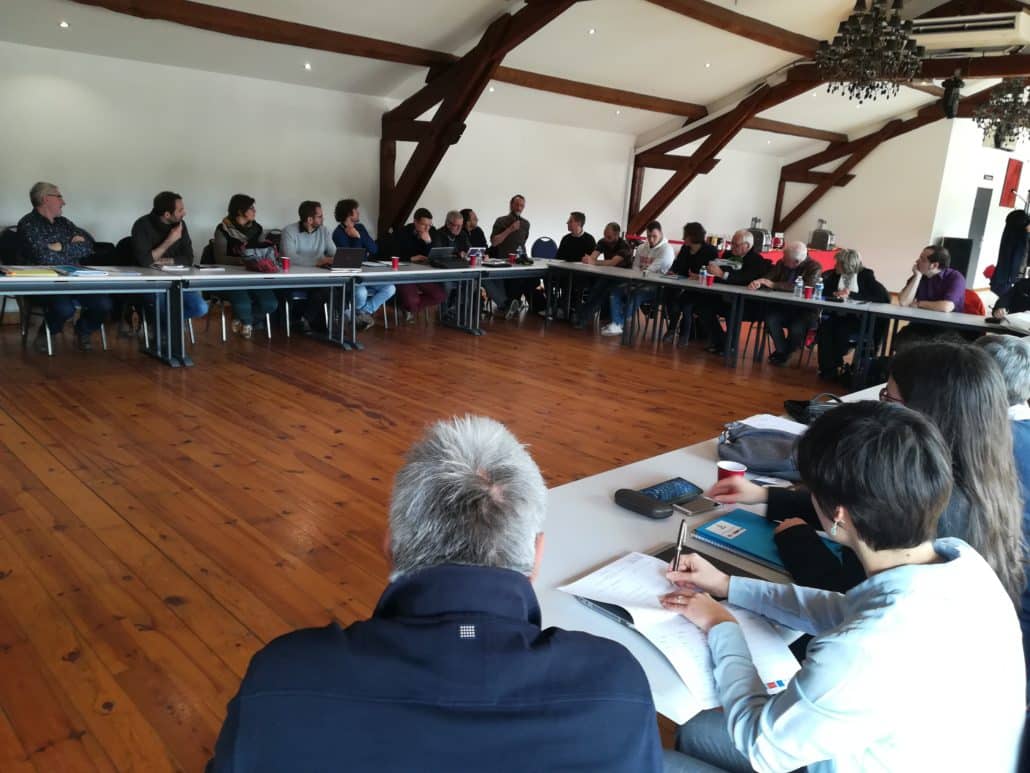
pixel 472 259
pixel 286 263
pixel 396 263
pixel 512 257
pixel 731 469
pixel 809 291
pixel 710 280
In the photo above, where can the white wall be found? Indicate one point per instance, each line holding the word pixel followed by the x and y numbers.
pixel 112 133
pixel 742 186
pixel 888 211
pixel 968 163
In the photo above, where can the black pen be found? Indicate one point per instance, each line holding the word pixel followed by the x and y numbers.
pixel 679 545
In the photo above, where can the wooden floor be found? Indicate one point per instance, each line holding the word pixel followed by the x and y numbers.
pixel 157 526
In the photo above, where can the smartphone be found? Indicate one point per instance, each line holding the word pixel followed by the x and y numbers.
pixel 673 491
pixel 699 505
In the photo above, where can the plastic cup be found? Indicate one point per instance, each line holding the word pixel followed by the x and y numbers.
pixel 809 291
pixel 710 280
pixel 731 469
pixel 472 259
pixel 286 263
pixel 396 263
pixel 512 257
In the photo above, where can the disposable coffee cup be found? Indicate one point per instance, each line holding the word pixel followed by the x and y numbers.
pixel 286 263
pixel 731 469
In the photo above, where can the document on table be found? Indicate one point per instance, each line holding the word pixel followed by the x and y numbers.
pixel 636 581
pixel 768 421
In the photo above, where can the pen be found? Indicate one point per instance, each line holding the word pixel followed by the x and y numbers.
pixel 679 545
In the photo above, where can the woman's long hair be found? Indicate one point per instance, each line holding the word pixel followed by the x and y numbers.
pixel 961 389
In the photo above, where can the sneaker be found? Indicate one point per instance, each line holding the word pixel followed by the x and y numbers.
pixel 40 343
pixel 611 329
pixel 365 321
pixel 305 326
pixel 513 309
pixel 778 358
pixel 236 325
pixel 669 337
pixel 247 331
pixel 82 339
pixel 524 306
pixel 409 318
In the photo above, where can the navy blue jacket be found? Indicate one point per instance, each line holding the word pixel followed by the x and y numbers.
pixel 451 673
pixel 341 239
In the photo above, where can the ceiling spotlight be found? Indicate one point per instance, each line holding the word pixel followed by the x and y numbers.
pixel 63 25
pixel 708 65
pixel 618 112
pixel 768 142
pixel 591 31
pixel 491 89
pixel 307 65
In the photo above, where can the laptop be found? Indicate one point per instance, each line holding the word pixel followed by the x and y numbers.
pixel 444 257
pixel 347 260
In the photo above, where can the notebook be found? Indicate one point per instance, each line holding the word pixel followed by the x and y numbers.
pixel 79 271
pixel 27 271
pixel 748 535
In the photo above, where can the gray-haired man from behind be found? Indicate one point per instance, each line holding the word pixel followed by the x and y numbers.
pixel 453 671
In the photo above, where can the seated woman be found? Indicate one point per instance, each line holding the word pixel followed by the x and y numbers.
pixel 849 280
pixel 1013 357
pixel 918 668
pixel 960 389
pixel 237 233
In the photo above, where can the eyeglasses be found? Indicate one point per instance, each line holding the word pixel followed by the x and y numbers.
pixel 56 196
pixel 885 397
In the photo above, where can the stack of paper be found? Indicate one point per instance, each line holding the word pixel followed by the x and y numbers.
pixel 634 584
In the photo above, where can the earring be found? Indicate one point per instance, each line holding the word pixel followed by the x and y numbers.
pixel 833 529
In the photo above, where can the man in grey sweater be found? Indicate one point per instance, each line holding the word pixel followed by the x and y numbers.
pixel 309 243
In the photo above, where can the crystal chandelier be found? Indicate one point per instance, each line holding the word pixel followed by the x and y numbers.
pixel 1006 114
pixel 872 53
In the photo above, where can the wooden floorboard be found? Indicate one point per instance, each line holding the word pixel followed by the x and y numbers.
pixel 159 525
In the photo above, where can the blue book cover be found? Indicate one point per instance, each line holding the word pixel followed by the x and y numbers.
pixel 749 535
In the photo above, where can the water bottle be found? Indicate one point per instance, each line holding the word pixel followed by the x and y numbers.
pixel 519 254
pixel 799 287
pixel 704 275
pixel 818 289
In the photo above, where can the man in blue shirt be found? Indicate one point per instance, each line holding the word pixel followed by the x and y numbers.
pixel 48 239
pixel 453 671
pixel 351 232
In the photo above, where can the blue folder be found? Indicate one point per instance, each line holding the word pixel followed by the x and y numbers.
pixel 748 535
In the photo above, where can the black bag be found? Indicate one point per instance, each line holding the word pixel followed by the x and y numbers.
pixel 807 411
pixel 764 451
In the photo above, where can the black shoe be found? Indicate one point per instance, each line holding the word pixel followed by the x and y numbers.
pixel 305 326
pixel 720 350
pixel 85 345
pixel 365 321
pixel 669 337
pixel 828 375
pixel 778 358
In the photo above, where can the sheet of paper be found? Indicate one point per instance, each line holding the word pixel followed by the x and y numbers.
pixel 636 581
pixel 768 421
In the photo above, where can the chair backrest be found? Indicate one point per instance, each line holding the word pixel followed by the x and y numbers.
pixel 9 246
pixel 544 247
pixel 123 253
pixel 207 257
pixel 974 304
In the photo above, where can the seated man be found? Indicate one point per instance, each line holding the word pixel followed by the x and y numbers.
pixel 308 243
pixel 161 239
pixel 48 239
pixel 749 266
pixel 452 672
pixel 797 319
pixel 695 254
pixel 576 245
pixel 453 236
pixel 351 232
pixel 935 286
pixel 612 251
pixel 656 256
pixel 412 243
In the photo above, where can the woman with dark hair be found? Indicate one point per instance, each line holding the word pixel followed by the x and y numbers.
pixel 237 233
pixel 849 280
pixel 897 676
pixel 477 238
pixel 960 389
pixel 1012 252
